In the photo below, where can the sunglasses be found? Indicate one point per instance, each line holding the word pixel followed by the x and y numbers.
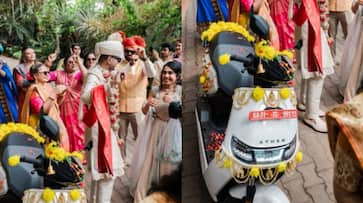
pixel 91 59
pixel 44 72
pixel 130 52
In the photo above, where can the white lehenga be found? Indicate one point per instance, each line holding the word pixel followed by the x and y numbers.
pixel 157 151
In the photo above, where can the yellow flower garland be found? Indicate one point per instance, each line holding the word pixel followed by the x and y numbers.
pixel 54 152
pixel 258 93
pixel 224 59
pixel 48 195
pixel 14 160
pixel 299 157
pixel 75 194
pixel 264 50
pixel 6 129
pixel 202 79
pixel 243 173
pixel 285 93
pixel 216 28
pixel 254 172
pixel 282 167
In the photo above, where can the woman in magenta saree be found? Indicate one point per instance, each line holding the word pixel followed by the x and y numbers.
pixel 71 80
pixel 285 27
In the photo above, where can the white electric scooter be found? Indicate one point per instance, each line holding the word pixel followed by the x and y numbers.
pixel 247 136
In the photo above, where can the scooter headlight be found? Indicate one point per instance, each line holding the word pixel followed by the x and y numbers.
pixel 241 150
pixel 289 151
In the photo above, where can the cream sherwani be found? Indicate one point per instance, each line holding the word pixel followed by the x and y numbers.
pixel 102 184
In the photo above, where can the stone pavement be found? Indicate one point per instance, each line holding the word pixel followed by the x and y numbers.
pixel 312 181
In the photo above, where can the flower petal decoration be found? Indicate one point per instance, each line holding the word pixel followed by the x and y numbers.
pixel 299 157
pixel 75 194
pixel 281 167
pixel 227 163
pixel 258 93
pixel 224 59
pixel 255 172
pixel 14 160
pixel 48 195
pixel 285 93
pixel 202 79
pixel 78 155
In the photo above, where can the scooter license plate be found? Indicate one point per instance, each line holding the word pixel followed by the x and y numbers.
pixel 275 114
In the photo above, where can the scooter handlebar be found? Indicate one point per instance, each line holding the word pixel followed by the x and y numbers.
pixel 245 60
pixel 30 160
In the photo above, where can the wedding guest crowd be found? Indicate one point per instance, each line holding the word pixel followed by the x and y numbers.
pixel 95 99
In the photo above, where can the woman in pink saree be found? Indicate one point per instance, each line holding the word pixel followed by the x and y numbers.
pixel 71 80
pixel 285 27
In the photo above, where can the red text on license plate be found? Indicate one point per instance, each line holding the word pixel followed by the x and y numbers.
pixel 272 114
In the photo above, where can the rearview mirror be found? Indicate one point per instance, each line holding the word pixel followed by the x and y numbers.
pixel 49 127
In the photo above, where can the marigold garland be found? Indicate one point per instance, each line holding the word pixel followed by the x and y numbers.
pixel 78 155
pixel 6 129
pixel 254 172
pixel 224 59
pixel 225 160
pixel 221 26
pixel 299 157
pixel 14 160
pixel 227 163
pixel 54 152
pixel 282 167
pixel 258 93
pixel 202 79
pixel 265 51
pixel 285 93
pixel 48 195
pixel 75 194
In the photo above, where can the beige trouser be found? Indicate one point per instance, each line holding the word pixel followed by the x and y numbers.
pixel 334 18
pixel 101 190
pixel 125 120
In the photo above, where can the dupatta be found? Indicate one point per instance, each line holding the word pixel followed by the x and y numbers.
pixel 53 112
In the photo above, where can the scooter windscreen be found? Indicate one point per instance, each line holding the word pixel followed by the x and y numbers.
pixel 234 74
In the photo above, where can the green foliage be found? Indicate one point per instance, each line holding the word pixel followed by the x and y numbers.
pixel 52 25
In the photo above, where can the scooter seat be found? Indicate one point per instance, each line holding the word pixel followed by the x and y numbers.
pixel 232 75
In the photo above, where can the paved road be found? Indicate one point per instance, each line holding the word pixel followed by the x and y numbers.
pixel 312 181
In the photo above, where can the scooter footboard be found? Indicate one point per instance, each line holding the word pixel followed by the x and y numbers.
pixel 216 178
